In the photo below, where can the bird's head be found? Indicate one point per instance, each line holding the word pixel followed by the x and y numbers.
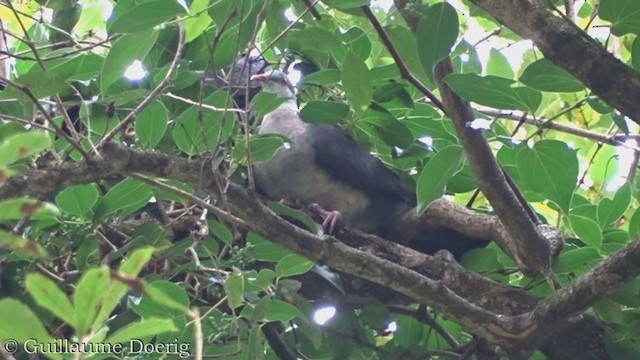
pixel 276 82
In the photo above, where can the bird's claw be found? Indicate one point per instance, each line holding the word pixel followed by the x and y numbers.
pixel 330 218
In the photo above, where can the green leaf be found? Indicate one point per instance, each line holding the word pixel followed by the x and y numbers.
pixel 146 15
pixel 48 295
pixel 356 41
pixel 40 83
pixel 624 15
pixel 145 328
pixel 199 20
pixel 587 230
pixel 263 147
pixel 151 124
pixel 127 196
pixel 162 299
pixel 15 209
pixel 88 298
pixel 13 242
pixel 572 259
pixel 18 322
pixel 123 53
pixel 313 38
pixel 433 179
pixel 498 65
pixel 281 311
pixel 323 77
pixel 635 54
pixel 405 43
pixel 437 32
pixel 199 130
pixel 292 265
pixel 495 92
pixel 346 4
pixel 305 219
pixel 234 288
pixel 356 79
pixel 81 67
pixel 543 75
pixel 610 210
pixel 550 168
pixel 386 127
pixel 78 200
pixel 265 250
pixel 265 102
pixel 326 112
pixel 22 145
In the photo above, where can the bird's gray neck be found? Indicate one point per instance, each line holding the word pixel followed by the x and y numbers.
pixel 285 115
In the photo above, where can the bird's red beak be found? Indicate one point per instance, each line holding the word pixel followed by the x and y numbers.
pixel 260 77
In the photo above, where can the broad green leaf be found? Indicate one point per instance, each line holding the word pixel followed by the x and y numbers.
pixel 40 83
pixel 587 230
pixel 356 79
pixel 386 127
pixel 495 92
pixel 162 299
pixel 323 77
pixel 481 260
pixel 200 130
pixel 58 4
pixel 199 20
pixel 234 288
pixel 220 231
pixel 81 67
pixel 265 102
pixel 498 65
pixel 436 34
pixel 281 311
pixel 78 200
pixel 292 265
pixel 18 322
pixel 610 210
pixel 131 266
pixel 146 15
pixel 570 260
pixel 433 179
pixel 624 15
pixel 20 245
pixel 405 43
pixel 47 294
pixel 124 51
pixel 346 4
pixel 543 75
pixel 15 209
pixel 356 41
pixel 142 329
pixel 262 148
pixel 326 112
pixel 313 38
pixel 286 211
pixel 151 124
pixel 127 196
pixel 259 281
pixel 550 168
pixel 635 54
pixel 89 297
pixel 22 145
pixel 265 250
pixel 634 224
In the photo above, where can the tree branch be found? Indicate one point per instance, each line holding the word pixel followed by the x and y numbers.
pixel 567 46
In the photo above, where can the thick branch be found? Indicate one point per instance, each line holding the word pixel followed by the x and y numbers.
pixel 566 45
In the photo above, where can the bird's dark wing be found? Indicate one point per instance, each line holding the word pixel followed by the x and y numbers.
pixel 349 162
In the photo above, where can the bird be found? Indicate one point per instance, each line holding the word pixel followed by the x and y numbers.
pixel 324 167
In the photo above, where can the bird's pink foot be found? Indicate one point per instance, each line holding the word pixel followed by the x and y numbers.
pixel 330 218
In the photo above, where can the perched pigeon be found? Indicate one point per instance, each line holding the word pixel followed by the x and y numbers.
pixel 325 167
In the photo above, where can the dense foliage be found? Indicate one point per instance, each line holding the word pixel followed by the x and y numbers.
pixel 120 244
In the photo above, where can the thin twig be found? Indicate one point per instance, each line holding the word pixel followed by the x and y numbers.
pixel 404 70
pixel 152 95
pixel 204 106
